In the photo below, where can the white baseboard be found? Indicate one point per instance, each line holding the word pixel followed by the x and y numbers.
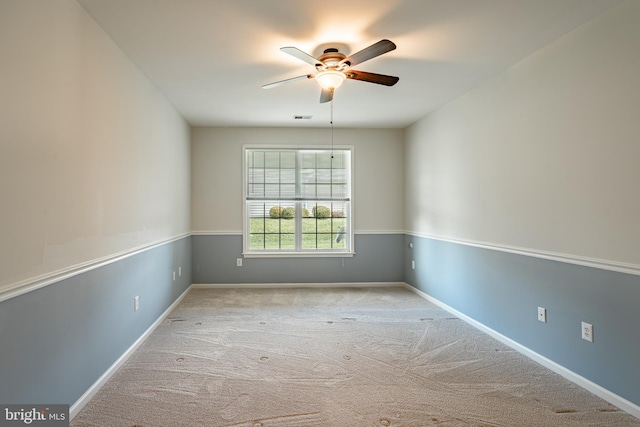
pixel 298 285
pixel 95 387
pixel 590 386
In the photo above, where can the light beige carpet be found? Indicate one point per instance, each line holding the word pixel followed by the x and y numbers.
pixel 333 357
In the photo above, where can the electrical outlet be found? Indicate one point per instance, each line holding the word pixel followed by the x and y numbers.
pixel 174 275
pixel 587 331
pixel 413 265
pixel 136 303
pixel 542 314
pixel 239 262
pixel 179 271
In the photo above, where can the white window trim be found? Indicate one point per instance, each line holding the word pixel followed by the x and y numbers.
pixel 246 253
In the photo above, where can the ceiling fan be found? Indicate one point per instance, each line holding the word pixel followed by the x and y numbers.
pixel 333 68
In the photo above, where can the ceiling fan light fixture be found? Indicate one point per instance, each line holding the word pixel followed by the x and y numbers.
pixel 333 68
pixel 330 79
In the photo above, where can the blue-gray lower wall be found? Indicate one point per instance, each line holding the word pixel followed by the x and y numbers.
pixel 503 290
pixel 58 340
pixel 378 258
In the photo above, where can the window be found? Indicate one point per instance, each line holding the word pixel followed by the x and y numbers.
pixel 297 201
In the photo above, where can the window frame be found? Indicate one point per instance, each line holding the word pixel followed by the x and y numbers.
pixel 298 251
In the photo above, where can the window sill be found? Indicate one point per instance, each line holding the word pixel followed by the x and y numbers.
pixel 298 254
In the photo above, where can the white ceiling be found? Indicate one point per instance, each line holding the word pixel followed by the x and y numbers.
pixel 211 57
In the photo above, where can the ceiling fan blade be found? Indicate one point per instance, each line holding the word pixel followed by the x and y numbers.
pixel 294 51
pixel 381 79
pixel 281 82
pixel 326 95
pixel 376 49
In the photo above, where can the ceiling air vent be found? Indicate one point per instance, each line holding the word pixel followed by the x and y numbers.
pixel 301 117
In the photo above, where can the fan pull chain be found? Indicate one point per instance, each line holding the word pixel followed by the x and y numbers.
pixel 331 122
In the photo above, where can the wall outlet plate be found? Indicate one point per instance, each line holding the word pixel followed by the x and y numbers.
pixel 136 303
pixel 542 314
pixel 587 331
pixel 239 262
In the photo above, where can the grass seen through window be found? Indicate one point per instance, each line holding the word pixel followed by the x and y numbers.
pixel 279 233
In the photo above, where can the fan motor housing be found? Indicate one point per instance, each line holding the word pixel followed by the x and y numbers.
pixel 331 59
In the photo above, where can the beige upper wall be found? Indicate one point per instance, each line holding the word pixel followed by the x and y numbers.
pixel 544 157
pixel 93 160
pixel 217 174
